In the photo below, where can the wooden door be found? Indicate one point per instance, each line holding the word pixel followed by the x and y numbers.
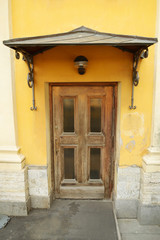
pixel 83 132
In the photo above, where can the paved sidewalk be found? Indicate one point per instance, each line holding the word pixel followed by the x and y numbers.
pixel 130 229
pixel 65 220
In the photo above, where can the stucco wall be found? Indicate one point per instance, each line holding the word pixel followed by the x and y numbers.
pixel 105 64
pixel 39 17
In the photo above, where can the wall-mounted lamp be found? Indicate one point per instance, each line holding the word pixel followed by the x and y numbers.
pixel 81 63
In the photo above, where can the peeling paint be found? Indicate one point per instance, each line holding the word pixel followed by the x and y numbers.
pixel 143 144
pixel 133 124
pixel 130 146
pixel 131 136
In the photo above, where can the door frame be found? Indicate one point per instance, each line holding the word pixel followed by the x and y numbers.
pixel 114 114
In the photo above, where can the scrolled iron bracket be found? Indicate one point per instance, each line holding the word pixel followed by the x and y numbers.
pixel 141 54
pixel 30 78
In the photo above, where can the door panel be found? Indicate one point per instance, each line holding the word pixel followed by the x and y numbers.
pixel 82 126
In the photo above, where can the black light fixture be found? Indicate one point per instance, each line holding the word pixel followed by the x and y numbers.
pixel 81 63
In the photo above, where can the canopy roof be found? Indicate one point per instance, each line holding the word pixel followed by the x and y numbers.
pixel 79 36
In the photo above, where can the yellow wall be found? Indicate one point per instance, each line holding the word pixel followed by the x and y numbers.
pixel 39 17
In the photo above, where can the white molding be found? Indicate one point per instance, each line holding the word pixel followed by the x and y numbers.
pixel 154 150
pixel 9 149
pixel 11 159
pixel 11 167
pixel 151 161
pixel 155 140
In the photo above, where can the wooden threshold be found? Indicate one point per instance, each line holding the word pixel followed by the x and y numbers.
pixel 82 192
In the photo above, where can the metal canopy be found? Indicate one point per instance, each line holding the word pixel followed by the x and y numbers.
pixel 31 46
pixel 79 36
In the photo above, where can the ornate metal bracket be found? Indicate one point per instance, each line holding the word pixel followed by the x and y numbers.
pixel 141 54
pixel 30 78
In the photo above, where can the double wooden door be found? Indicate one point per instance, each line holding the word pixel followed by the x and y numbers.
pixel 83 120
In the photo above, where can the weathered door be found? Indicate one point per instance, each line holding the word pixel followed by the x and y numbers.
pixel 83 136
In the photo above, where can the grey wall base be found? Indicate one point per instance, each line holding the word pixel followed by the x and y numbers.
pixel 11 208
pixel 133 208
pixel 126 208
pixel 15 208
pixel 41 201
pixel 149 214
